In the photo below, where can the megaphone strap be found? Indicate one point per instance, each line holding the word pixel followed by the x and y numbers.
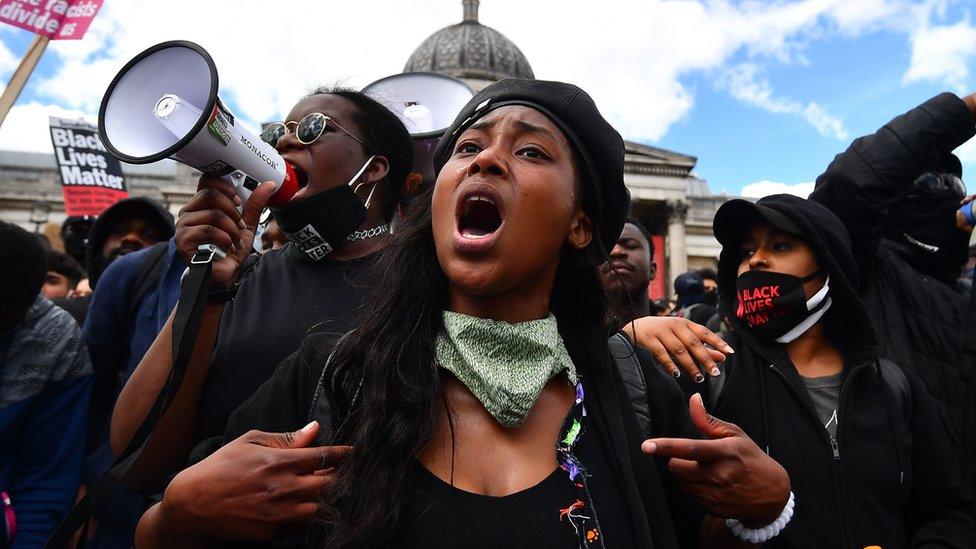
pixel 186 325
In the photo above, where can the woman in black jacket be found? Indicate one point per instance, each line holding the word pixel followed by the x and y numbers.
pixel 868 458
pixel 477 399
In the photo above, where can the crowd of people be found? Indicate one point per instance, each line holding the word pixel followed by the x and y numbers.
pixel 478 361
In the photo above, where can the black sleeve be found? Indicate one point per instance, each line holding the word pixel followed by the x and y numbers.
pixel 876 171
pixel 282 403
pixel 278 406
pixel 668 405
pixel 669 418
pixel 939 512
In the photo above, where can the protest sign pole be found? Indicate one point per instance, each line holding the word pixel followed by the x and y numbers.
pixel 20 76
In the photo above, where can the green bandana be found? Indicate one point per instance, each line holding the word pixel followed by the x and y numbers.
pixel 504 365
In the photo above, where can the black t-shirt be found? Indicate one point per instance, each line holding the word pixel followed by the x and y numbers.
pixel 280 301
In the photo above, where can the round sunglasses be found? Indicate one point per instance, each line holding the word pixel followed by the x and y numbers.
pixel 931 183
pixel 307 130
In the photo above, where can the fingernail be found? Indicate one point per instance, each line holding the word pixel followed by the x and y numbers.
pixel 716 372
pixel 676 373
pixel 308 427
pixel 649 447
pixel 240 243
pixel 237 200
pixel 729 350
pixel 699 378
pixel 241 224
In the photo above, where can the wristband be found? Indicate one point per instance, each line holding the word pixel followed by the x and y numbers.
pixel 766 533
pixel 967 212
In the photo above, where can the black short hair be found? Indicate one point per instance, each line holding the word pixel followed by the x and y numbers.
pixel 65 265
pixel 24 268
pixel 708 273
pixel 384 135
pixel 647 235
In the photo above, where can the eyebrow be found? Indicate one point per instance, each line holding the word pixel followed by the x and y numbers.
pixel 522 125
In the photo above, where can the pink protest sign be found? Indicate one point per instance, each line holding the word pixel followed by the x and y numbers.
pixel 55 19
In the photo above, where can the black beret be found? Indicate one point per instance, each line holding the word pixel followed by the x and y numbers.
pixel 573 111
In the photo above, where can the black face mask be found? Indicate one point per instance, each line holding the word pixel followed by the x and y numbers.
pixel 318 224
pixel 321 222
pixel 928 224
pixel 711 298
pixel 772 304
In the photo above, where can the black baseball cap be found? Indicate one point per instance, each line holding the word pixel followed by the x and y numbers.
pixel 734 218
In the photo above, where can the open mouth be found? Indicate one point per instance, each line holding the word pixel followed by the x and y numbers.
pixel 479 217
pixel 301 178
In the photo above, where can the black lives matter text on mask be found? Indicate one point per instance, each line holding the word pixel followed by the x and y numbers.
pixel 91 178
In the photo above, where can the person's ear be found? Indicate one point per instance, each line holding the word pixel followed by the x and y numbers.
pixel 580 231
pixel 377 169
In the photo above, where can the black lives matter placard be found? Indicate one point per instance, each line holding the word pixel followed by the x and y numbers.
pixel 91 178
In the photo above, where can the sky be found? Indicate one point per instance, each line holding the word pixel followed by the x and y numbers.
pixel 764 94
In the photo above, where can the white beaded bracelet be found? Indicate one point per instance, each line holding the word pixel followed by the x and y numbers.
pixel 766 533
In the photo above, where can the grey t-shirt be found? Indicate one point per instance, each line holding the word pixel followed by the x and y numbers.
pixel 825 394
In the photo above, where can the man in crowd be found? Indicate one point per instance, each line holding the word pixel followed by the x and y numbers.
pixel 899 192
pixel 136 274
pixel 692 299
pixel 630 271
pixel 63 275
pixel 710 280
pixel 45 385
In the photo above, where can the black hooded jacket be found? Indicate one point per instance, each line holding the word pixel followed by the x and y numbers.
pixel 151 210
pixel 921 315
pixel 888 477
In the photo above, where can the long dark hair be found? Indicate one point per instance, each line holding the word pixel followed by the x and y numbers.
pixel 383 381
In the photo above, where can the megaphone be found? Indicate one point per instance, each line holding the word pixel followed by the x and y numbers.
pixel 426 103
pixel 164 104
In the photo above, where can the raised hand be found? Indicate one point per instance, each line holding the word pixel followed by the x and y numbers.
pixel 673 339
pixel 211 217
pixel 727 474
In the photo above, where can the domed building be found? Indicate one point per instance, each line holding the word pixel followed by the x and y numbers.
pixel 475 53
pixel 674 203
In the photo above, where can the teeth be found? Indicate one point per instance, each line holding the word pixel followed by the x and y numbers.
pixel 481 199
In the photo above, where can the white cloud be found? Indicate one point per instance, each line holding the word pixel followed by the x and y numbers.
pixel 26 126
pixel 942 53
pixel 745 84
pixel 8 62
pixel 763 188
pixel 630 55
pixel 633 56
pixel 967 155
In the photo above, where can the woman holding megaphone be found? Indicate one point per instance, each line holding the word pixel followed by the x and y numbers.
pixel 352 159
pixel 477 402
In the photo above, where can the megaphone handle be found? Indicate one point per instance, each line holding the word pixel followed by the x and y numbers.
pixel 239 179
pixel 210 251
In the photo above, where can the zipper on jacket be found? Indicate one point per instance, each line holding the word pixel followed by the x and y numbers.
pixel 837 471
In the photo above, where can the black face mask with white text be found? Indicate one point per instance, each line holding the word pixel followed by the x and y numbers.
pixel 774 306
pixel 320 223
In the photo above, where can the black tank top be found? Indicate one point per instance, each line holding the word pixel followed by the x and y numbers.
pixel 586 511
pixel 440 515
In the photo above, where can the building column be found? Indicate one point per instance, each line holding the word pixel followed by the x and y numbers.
pixel 677 253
